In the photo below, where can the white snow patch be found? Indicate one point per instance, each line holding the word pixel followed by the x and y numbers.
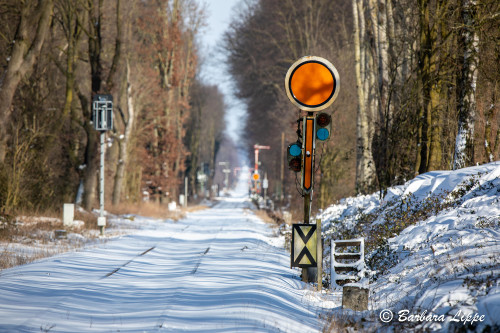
pixel 447 264
pixel 217 270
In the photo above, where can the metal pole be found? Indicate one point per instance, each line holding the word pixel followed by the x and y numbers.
pixel 265 189
pixel 307 199
pixel 282 172
pixel 319 254
pixel 101 194
pixel 307 207
pixel 307 273
pixel 256 159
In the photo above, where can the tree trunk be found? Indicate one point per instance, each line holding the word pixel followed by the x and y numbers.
pixel 118 48
pixel 424 64
pixel 91 167
pixel 435 110
pixel 490 149
pixel 364 159
pixel 70 71
pixel 383 59
pixel 95 50
pixel 69 16
pixel 466 87
pixel 91 150
pixel 440 74
pixel 123 152
pixel 487 134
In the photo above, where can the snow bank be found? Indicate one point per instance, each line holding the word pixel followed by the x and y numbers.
pixel 447 263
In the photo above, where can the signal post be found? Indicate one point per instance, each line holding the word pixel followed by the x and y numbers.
pixel 102 116
pixel 312 85
pixel 256 174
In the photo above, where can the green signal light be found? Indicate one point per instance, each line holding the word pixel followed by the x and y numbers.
pixel 322 134
pixel 295 150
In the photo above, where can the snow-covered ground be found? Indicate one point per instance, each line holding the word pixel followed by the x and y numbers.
pixel 218 270
pixel 446 265
pixel 225 270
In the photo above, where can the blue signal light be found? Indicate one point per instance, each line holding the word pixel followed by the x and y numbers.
pixel 322 134
pixel 295 150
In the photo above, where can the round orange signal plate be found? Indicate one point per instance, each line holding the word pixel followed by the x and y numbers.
pixel 255 176
pixel 312 83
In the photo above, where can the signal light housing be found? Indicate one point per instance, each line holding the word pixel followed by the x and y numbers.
pixel 294 156
pixel 323 126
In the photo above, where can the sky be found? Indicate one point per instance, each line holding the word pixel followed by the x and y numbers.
pixel 213 68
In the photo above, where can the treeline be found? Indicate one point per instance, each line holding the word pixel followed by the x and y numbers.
pixel 419 84
pixel 56 55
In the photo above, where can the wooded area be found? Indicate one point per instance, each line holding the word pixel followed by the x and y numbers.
pixel 55 55
pixel 419 84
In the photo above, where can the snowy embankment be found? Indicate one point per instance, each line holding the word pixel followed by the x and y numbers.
pixel 442 255
pixel 218 270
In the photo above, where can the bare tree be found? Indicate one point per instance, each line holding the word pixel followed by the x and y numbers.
pixel 26 49
pixel 466 86
pixel 365 165
pixel 97 78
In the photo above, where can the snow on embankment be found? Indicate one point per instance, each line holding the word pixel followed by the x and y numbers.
pixel 433 247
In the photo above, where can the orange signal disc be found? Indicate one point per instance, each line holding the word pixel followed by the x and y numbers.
pixel 312 84
pixel 255 176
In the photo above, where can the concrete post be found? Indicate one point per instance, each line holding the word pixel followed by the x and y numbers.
pixel 355 298
pixel 185 191
pixel 68 214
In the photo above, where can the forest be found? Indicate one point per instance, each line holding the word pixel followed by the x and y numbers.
pixel 419 87
pixel 57 55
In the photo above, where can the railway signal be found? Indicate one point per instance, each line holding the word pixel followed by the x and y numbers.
pixel 256 174
pixel 312 85
pixel 102 116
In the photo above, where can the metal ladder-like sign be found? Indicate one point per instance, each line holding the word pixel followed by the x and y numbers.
pixel 347 261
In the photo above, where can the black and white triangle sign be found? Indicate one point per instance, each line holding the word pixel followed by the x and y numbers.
pixel 303 245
